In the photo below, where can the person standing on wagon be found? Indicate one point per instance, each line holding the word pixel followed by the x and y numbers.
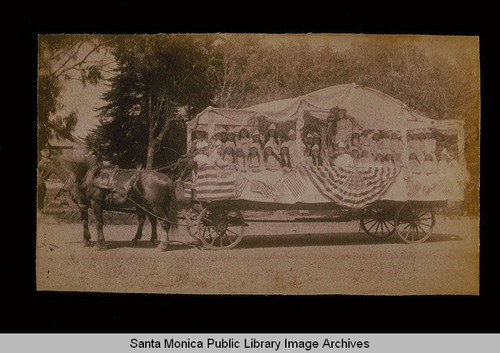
pixel 343 128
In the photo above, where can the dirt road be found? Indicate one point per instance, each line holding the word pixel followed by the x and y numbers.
pixel 283 258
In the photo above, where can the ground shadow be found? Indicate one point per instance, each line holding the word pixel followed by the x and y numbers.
pixel 146 244
pixel 329 239
pixel 142 244
pixel 283 240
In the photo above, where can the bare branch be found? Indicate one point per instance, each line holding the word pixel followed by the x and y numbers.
pixel 80 43
pixel 93 50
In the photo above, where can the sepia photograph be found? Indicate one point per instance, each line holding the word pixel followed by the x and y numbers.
pixel 258 164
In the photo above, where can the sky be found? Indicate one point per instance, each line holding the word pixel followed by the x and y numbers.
pixel 85 100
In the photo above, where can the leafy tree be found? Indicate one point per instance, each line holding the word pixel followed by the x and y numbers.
pixel 60 58
pixel 160 81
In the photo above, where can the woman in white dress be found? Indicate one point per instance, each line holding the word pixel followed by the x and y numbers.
pixel 243 141
pixel 272 139
pixel 254 162
pixel 271 159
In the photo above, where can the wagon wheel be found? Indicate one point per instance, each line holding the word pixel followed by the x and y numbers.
pixel 414 224
pixel 221 227
pixel 376 222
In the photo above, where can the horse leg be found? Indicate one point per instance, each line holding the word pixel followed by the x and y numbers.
pixel 165 227
pixel 84 213
pixel 98 213
pixel 142 218
pixel 154 234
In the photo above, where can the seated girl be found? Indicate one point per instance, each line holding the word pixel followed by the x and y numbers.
pixel 272 138
pixel 389 160
pixel 365 140
pixel 253 160
pixel 365 159
pixel 240 159
pixel 256 139
pixel 243 141
pixel 308 143
pixel 355 155
pixel 379 160
pixel 375 144
pixel 429 165
pixel 355 142
pixel 271 160
pixel 414 163
pixel 315 158
pixel 285 161
pixel 396 147
pixel 231 139
pixel 228 155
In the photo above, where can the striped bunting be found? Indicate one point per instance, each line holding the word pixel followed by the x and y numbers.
pixel 241 184
pixel 263 188
pixel 214 184
pixel 295 185
pixel 354 187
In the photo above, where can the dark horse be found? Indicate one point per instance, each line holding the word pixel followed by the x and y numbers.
pixel 91 185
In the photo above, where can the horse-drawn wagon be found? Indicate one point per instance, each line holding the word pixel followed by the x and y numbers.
pixel 386 198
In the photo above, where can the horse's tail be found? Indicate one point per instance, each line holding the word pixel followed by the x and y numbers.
pixel 171 204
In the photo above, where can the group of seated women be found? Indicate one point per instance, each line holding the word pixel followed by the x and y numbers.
pixel 367 148
pixel 250 151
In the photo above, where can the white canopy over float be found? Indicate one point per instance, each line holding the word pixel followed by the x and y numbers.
pixel 370 108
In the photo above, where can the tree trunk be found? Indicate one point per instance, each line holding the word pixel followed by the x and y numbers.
pixel 150 154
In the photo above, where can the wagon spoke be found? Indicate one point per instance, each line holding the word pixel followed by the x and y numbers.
pixel 425 218
pixel 425 224
pixel 229 230
pixel 418 226
pixel 373 225
pixel 370 221
pixel 387 227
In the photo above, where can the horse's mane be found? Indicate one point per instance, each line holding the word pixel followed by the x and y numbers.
pixel 79 168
